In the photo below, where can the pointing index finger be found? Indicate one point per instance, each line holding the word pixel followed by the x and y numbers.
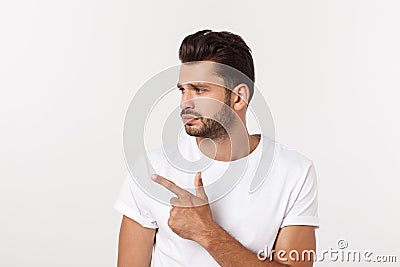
pixel 171 186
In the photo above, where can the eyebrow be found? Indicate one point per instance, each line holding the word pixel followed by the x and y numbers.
pixel 179 85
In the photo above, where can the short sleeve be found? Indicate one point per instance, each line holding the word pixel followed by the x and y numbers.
pixel 130 203
pixel 303 209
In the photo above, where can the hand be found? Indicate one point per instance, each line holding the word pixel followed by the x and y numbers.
pixel 190 216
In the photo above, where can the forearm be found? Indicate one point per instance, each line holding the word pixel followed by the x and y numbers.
pixel 227 251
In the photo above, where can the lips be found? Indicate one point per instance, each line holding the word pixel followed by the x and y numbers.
pixel 189 118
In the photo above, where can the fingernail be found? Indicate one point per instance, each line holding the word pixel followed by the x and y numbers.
pixel 153 177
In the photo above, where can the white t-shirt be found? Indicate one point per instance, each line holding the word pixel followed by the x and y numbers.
pixel 288 196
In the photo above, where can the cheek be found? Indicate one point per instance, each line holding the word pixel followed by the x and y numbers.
pixel 208 107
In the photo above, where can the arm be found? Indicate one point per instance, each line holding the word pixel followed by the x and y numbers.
pixel 227 251
pixel 135 244
pixel 298 238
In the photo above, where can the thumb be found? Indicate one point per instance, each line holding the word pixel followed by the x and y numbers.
pixel 198 184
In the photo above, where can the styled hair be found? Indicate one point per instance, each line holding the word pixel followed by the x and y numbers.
pixel 221 47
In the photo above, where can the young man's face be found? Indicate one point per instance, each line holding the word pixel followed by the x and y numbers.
pixel 205 103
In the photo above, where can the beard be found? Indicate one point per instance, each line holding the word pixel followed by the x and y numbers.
pixel 216 127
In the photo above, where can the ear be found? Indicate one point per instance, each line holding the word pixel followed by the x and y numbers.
pixel 241 95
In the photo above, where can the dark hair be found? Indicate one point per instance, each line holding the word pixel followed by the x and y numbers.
pixel 224 48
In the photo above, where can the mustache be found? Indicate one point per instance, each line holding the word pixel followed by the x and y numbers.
pixel 190 112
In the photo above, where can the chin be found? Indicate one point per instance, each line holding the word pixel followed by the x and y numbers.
pixel 192 131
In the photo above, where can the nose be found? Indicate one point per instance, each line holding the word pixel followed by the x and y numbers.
pixel 187 101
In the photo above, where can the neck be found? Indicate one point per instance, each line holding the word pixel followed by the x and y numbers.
pixel 231 147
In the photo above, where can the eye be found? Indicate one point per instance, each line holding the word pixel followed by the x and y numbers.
pixel 181 89
pixel 199 90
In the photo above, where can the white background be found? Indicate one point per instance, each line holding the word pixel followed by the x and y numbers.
pixel 68 70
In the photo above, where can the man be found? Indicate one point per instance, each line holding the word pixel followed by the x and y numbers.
pixel 280 216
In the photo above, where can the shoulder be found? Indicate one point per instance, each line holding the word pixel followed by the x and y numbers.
pixel 290 165
pixel 291 157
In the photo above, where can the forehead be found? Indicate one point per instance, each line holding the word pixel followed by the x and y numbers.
pixel 201 71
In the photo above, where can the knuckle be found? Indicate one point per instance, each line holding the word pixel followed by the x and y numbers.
pixel 172 212
pixel 186 196
pixel 170 222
